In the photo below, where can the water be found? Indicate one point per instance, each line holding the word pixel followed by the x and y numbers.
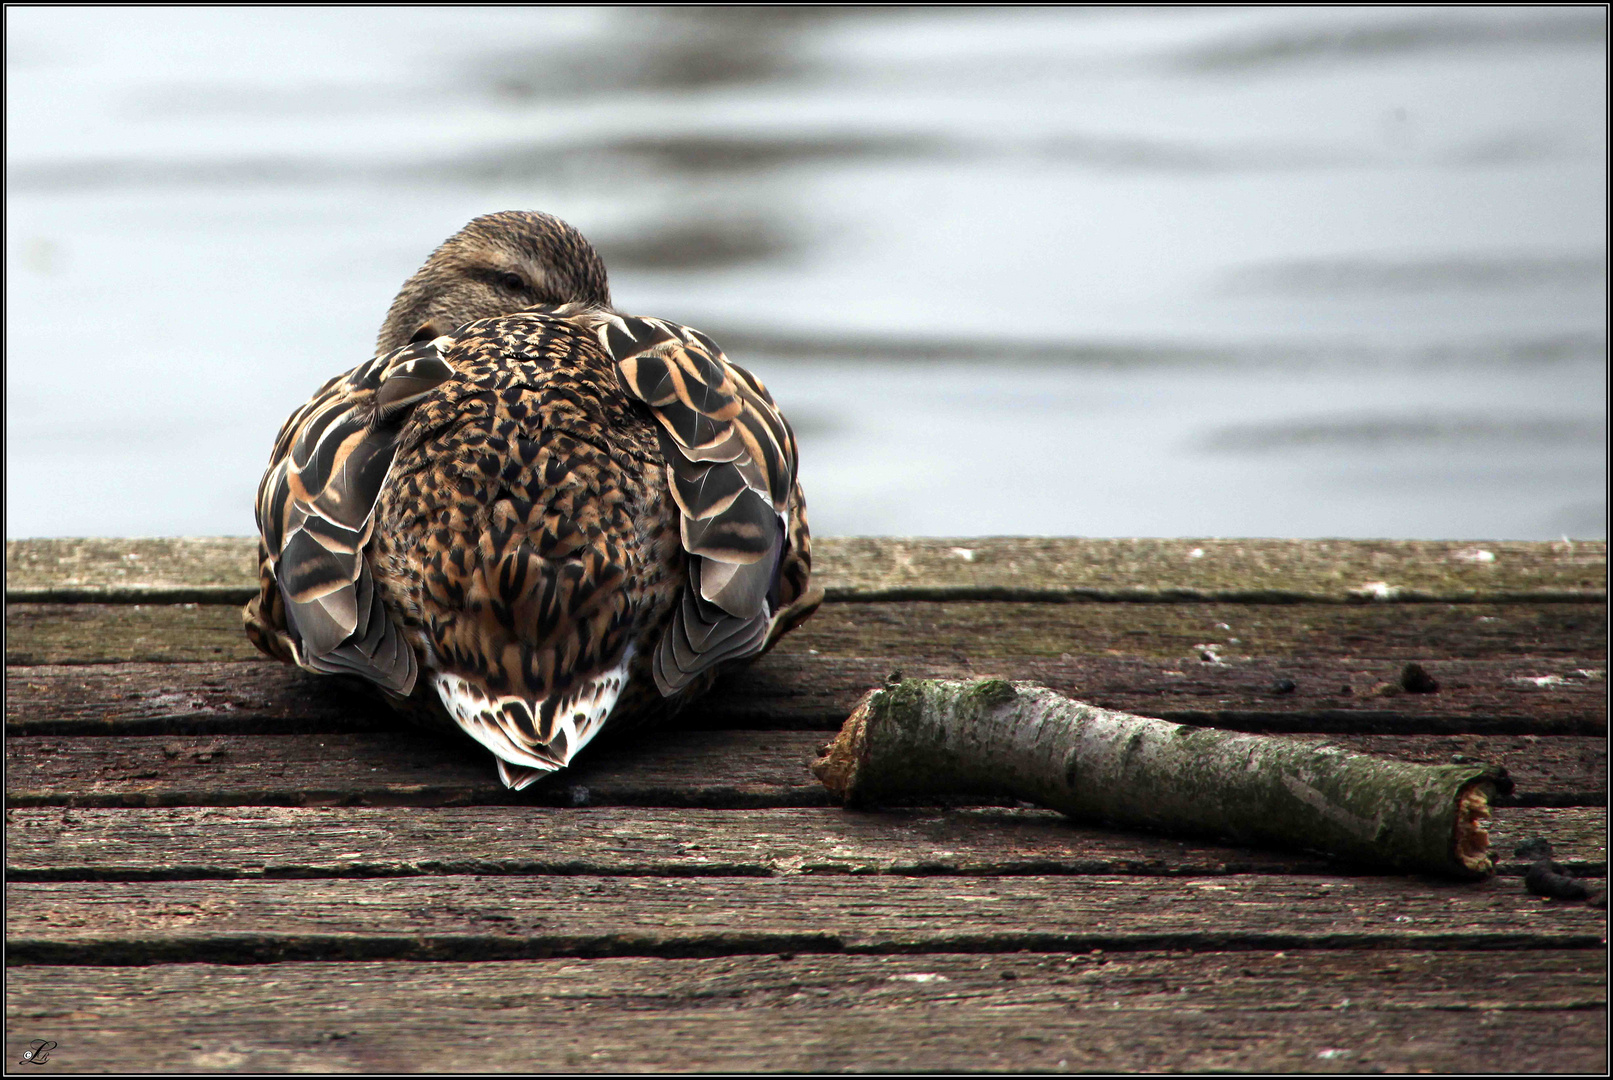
pixel 1318 272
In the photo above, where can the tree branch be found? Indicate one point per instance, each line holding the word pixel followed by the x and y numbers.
pixel 923 738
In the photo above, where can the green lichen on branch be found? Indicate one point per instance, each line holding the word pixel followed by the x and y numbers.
pixel 920 738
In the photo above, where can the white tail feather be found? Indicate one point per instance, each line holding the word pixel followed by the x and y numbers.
pixel 508 726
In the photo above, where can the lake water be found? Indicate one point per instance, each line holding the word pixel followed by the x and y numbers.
pixel 1312 272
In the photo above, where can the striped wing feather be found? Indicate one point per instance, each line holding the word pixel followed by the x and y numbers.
pixel 730 463
pixel 316 512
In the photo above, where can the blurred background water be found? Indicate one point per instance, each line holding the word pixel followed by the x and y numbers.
pixel 1303 272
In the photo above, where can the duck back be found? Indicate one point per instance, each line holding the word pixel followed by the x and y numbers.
pixel 584 518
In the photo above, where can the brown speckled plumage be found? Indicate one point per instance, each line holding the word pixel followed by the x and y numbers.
pixel 558 514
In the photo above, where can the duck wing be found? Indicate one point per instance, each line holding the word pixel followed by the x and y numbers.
pixel 731 464
pixel 316 513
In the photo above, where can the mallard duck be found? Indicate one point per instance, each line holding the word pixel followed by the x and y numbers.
pixel 529 514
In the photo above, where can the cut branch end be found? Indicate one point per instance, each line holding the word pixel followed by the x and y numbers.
pixel 1472 827
pixel 838 766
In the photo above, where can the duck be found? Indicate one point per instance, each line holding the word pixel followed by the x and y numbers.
pixel 530 517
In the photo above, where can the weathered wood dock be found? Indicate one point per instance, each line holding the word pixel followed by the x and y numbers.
pixel 217 863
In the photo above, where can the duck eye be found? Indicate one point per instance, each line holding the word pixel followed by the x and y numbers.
pixel 513 282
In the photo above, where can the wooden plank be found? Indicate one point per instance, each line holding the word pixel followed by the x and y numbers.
pixel 519 917
pixel 163 569
pixel 1261 695
pixel 258 697
pixel 1423 632
pixel 790 691
pixel 1044 568
pixel 718 769
pixel 950 631
pixel 671 767
pixel 222 569
pixel 112 633
pixel 1252 1011
pixel 53 844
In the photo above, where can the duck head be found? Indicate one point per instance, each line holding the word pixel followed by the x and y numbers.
pixel 498 264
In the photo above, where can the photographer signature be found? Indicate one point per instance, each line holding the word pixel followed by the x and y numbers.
pixel 38 1052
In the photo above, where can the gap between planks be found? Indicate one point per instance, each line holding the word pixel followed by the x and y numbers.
pixel 486 917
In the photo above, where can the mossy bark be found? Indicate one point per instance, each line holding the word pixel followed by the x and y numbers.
pixel 918 738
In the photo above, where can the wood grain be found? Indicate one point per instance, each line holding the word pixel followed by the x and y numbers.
pixel 223 569
pixel 949 631
pixel 161 569
pixel 1340 571
pixel 945 629
pixel 332 883
pixel 1521 696
pixel 182 843
pixel 790 691
pixel 716 769
pixel 1519 1011
pixel 519 917
pixel 112 633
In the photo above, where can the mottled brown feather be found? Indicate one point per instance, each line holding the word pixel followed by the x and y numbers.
pixel 318 605
pixel 730 469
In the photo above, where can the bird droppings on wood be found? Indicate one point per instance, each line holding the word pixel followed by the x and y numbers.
pixel 1414 679
pixel 1549 878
